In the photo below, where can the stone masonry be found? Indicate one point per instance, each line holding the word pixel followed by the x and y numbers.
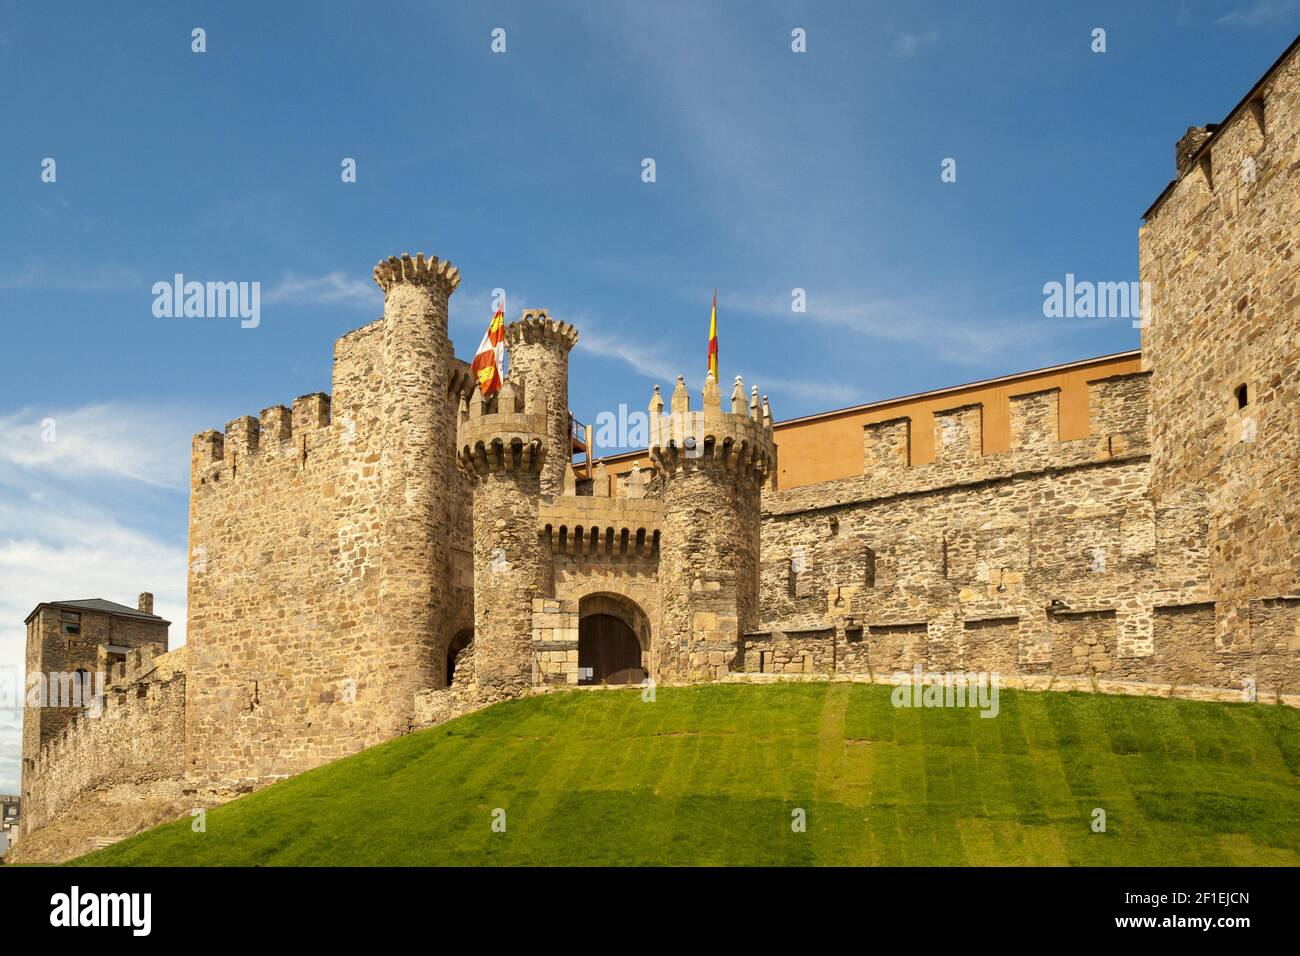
pixel 345 553
pixel 503 447
pixel 1219 249
pixel 713 465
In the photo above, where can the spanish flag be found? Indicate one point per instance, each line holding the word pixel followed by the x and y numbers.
pixel 491 354
pixel 713 339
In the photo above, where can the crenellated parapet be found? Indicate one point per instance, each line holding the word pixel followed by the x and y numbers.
pixel 602 527
pixel 739 441
pixel 276 433
pixel 1118 417
pixel 507 432
pixel 431 271
pixel 535 326
pixel 139 664
pixel 132 737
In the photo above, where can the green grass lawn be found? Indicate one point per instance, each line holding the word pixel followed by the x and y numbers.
pixel 711 775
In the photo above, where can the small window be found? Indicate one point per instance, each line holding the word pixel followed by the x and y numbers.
pixel 1243 396
pixel 70 622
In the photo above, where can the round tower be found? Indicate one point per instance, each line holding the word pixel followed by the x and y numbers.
pixel 539 354
pixel 502 449
pixel 414 471
pixel 711 465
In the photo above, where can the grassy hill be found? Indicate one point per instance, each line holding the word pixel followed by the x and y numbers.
pixel 711 775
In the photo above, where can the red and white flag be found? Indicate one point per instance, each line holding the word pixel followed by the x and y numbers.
pixel 491 356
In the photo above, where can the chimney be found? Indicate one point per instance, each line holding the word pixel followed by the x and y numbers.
pixel 1192 140
pixel 146 602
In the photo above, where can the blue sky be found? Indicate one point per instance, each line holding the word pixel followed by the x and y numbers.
pixel 775 170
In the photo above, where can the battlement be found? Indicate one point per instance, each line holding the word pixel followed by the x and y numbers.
pixel 139 664
pixel 271 433
pixel 121 700
pixel 1117 411
pixel 537 326
pixel 608 527
pixel 738 441
pixel 134 735
pixel 432 271
pixel 505 432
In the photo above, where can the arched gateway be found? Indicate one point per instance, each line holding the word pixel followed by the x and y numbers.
pixel 613 640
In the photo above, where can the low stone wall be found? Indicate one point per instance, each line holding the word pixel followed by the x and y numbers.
pixel 139 739
pixel 1081 643
pixel 113 772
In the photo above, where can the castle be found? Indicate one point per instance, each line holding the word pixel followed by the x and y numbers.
pixel 404 550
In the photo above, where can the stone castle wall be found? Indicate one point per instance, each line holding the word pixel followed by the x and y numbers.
pixel 1050 559
pixel 310 549
pixel 112 767
pixel 1219 250
pixel 52 651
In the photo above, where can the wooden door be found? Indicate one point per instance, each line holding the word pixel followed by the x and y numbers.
pixel 609 648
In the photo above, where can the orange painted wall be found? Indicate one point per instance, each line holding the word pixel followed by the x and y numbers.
pixel 829 446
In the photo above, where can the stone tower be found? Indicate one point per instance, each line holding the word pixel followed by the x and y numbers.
pixel 502 446
pixel 1222 341
pixel 415 474
pixel 539 354
pixel 712 465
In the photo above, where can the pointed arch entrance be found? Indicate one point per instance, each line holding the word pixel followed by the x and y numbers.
pixel 613 640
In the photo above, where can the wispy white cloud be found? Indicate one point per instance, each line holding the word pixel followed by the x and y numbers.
pixel 742 180
pixel 333 288
pixel 909 44
pixel 826 394
pixel 102 278
pixel 1262 13
pixel 64 531
pixel 912 323
pixel 659 362
pixel 108 440
pixel 646 358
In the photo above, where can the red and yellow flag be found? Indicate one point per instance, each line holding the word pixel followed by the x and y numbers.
pixel 491 355
pixel 713 339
